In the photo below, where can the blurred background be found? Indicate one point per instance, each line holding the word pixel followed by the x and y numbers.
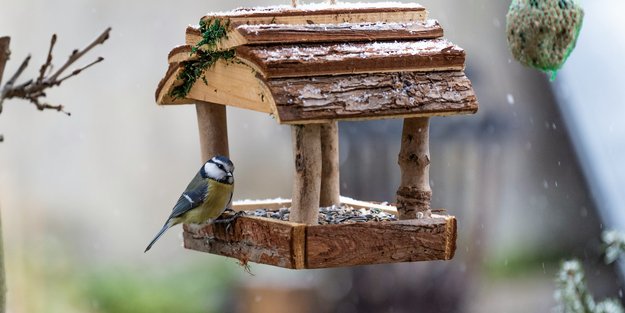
pixel 533 177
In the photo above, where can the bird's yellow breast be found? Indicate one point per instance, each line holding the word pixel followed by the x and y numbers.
pixel 217 197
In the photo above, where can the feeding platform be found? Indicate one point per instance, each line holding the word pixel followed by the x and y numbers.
pixel 300 246
pixel 310 66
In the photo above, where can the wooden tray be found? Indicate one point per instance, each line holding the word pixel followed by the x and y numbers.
pixel 300 246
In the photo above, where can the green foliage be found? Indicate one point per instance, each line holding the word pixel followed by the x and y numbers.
pixel 190 289
pixel 194 69
pixel 542 33
pixel 212 31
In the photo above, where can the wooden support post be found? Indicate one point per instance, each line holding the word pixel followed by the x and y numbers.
pixel 330 183
pixel 213 127
pixel 414 193
pixel 307 182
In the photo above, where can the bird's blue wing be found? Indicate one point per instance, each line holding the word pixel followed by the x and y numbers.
pixel 190 198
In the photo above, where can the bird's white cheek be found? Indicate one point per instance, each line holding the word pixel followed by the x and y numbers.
pixel 212 171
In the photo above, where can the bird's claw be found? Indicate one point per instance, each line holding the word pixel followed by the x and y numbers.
pixel 229 220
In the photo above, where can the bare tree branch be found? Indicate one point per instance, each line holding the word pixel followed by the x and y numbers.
pixel 34 89
pixel 9 85
pixel 5 52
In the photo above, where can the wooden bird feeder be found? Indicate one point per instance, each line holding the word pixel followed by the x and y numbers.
pixel 310 66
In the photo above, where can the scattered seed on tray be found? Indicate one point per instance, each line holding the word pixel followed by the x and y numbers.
pixel 332 215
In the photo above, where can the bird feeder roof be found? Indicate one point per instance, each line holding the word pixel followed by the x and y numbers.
pixel 321 62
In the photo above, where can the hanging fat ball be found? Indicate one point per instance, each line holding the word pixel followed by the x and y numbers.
pixel 542 33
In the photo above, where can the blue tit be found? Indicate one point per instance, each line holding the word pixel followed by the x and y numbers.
pixel 207 196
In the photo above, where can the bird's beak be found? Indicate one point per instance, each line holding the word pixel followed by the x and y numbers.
pixel 229 174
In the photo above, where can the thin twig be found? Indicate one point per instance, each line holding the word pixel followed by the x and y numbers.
pixel 77 54
pixel 44 106
pixel 44 67
pixel 15 76
pixel 77 71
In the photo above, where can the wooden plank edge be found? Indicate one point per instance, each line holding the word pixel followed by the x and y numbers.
pixel 472 109
pixel 431 59
pixel 259 34
pixel 251 205
pixel 166 84
pixel 451 235
pixel 179 54
pixel 298 246
pixel 251 92
pixel 248 14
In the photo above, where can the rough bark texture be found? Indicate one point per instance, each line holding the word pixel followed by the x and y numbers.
pixel 373 243
pixel 307 181
pixel 299 246
pixel 252 239
pixel 213 128
pixel 309 33
pixel 374 96
pixel 262 34
pixel 330 176
pixel 350 58
pixel 414 193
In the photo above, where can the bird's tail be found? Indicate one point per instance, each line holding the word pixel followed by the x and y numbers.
pixel 167 225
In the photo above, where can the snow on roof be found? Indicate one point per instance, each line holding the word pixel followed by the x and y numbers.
pixel 323 6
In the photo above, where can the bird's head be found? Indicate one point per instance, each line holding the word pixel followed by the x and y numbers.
pixel 219 168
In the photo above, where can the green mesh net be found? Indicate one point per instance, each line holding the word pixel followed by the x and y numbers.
pixel 542 33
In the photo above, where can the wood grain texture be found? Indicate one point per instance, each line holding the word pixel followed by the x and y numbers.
pixel 297 245
pixel 311 33
pixel 372 96
pixel 373 243
pixel 307 174
pixel 326 98
pixel 322 14
pixel 414 192
pixel 352 58
pixel 227 83
pixel 330 193
pixel 252 239
pixel 213 129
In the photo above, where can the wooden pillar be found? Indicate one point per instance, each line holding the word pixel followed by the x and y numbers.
pixel 213 127
pixel 330 182
pixel 307 182
pixel 414 193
